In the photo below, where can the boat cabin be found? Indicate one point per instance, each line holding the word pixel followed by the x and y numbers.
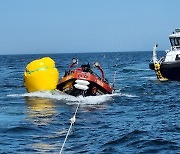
pixel 175 38
pixel 173 54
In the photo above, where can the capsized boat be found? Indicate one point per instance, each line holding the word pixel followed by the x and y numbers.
pixel 84 81
pixel 168 67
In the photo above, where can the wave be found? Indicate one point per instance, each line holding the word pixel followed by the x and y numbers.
pixel 67 98
pixel 11 86
pixel 149 77
pixel 20 129
pixel 129 137
pixel 120 94
pixel 129 95
pixel 136 139
pixel 134 69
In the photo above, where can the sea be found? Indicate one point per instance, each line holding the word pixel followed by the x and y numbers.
pixel 141 116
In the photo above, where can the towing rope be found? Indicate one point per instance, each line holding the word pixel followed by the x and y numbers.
pixel 114 79
pixel 72 121
pixel 158 72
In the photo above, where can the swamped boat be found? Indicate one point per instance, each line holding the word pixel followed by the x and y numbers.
pixel 42 75
pixel 84 81
pixel 168 67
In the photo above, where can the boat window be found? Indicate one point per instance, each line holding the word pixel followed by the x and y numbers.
pixel 172 41
pixel 178 41
pixel 177 57
pixel 175 41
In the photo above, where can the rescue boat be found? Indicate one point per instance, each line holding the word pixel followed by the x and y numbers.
pixel 84 81
pixel 168 67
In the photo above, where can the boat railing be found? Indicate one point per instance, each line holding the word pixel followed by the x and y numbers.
pixel 161 60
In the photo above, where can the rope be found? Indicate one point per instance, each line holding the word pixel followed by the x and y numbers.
pixel 114 78
pixel 38 69
pixel 72 121
pixel 158 72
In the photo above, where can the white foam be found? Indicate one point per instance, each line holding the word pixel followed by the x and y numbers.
pixel 68 98
pixel 128 95
pixel 119 94
pixel 149 77
pixel 45 94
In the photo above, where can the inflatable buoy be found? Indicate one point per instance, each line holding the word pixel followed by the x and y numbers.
pixel 81 87
pixel 82 82
pixel 41 75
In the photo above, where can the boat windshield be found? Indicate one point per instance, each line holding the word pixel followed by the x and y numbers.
pixel 175 41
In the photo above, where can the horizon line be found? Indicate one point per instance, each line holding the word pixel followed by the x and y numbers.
pixel 77 52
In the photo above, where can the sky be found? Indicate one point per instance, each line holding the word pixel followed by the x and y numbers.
pixel 61 26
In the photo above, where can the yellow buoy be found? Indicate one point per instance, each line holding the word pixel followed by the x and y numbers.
pixel 41 75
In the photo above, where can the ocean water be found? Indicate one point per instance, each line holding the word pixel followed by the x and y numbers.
pixel 142 116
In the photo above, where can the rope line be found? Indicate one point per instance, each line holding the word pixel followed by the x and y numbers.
pixel 158 72
pixel 114 79
pixel 72 121
pixel 38 69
